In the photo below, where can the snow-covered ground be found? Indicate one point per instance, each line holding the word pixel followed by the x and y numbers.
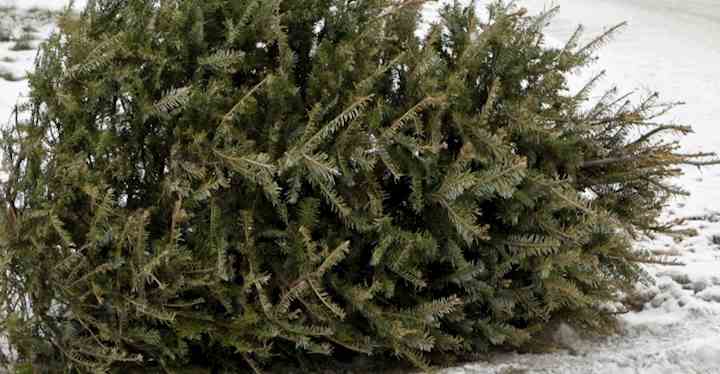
pixel 42 4
pixel 671 46
pixel 14 64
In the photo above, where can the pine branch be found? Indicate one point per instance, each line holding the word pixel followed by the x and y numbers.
pixel 600 40
pixel 351 113
pixel 410 116
pixel 222 60
pixel 325 299
pixel 99 57
pixel 173 100
pixel 228 117
pixel 337 255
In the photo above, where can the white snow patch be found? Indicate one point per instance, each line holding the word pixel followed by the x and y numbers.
pixel 710 294
pixel 42 4
pixel 15 64
pixel 672 47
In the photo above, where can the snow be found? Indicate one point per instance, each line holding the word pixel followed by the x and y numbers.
pixel 14 65
pixel 673 47
pixel 14 14
pixel 43 4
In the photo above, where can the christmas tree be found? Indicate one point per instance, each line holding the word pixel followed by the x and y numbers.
pixel 259 185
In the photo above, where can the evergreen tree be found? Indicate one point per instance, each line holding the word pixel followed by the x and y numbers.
pixel 250 185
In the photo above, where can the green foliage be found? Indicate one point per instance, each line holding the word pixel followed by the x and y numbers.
pixel 246 185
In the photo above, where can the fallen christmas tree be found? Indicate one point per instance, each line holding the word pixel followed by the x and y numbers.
pixel 251 185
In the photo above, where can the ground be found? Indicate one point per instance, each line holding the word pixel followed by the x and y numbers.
pixel 670 46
